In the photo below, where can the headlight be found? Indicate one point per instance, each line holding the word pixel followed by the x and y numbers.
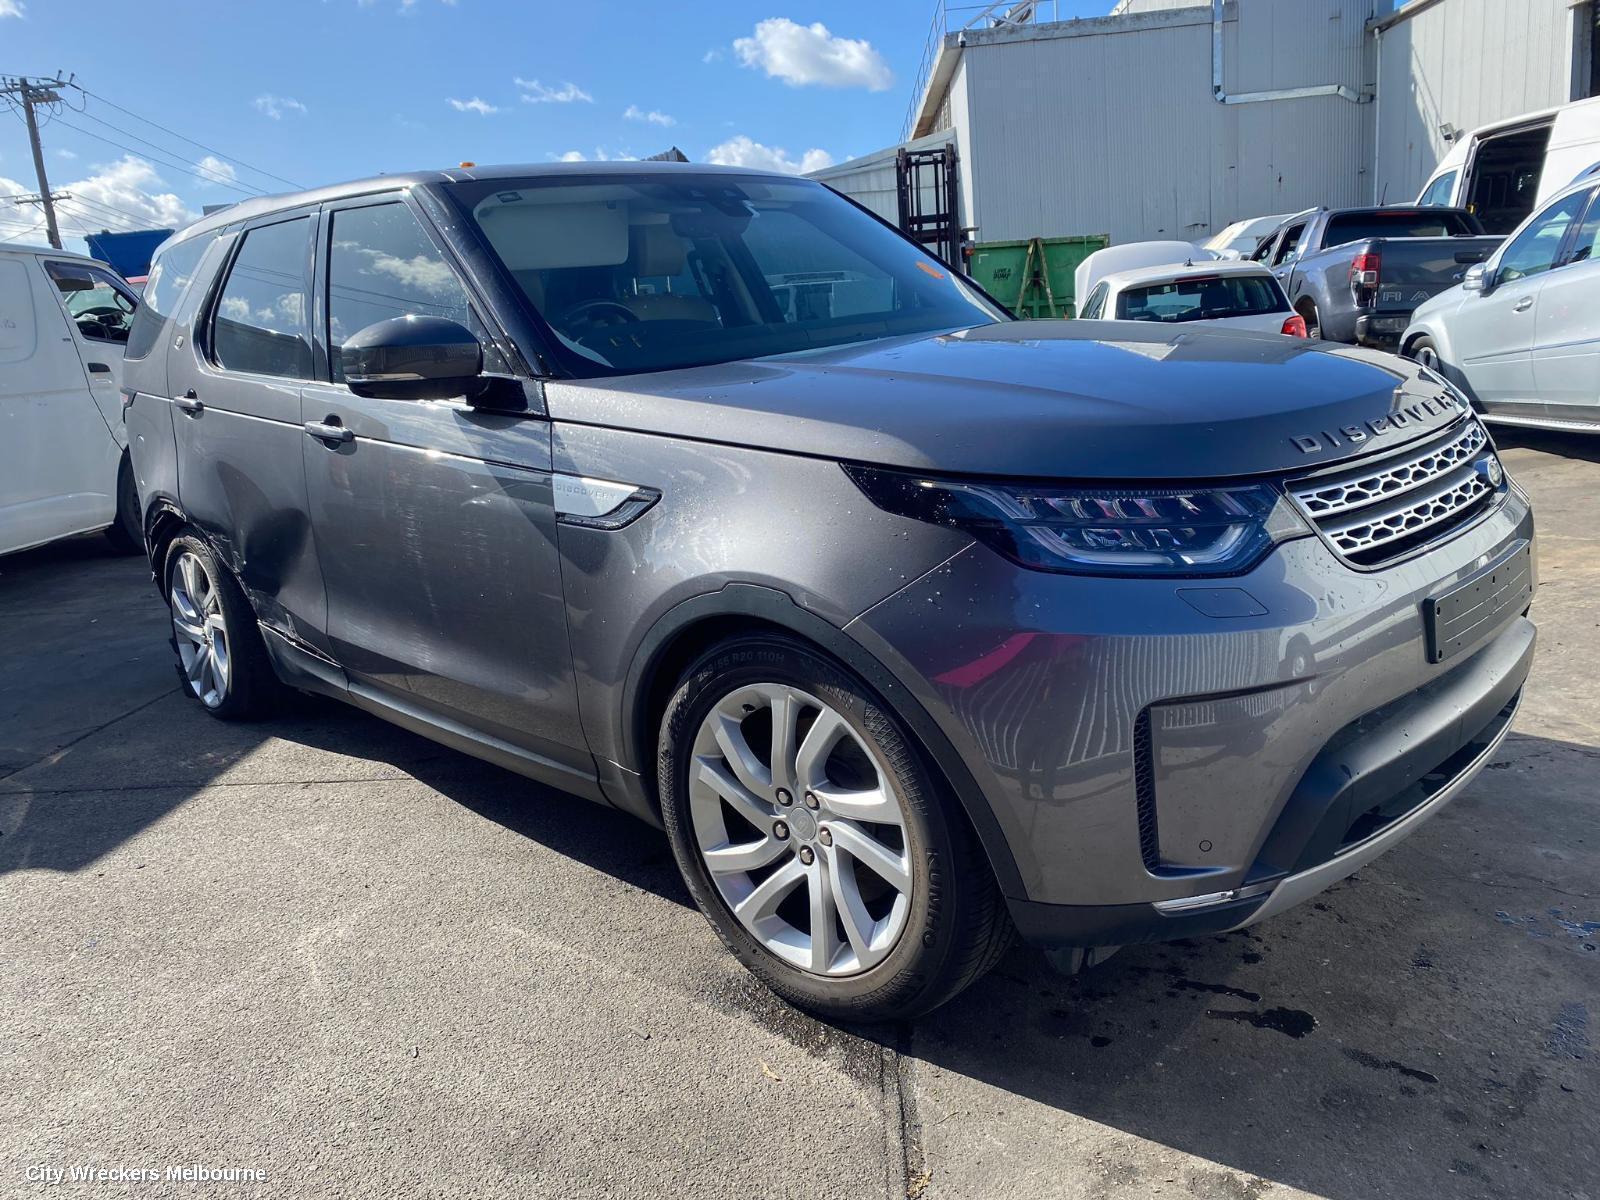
pixel 1176 531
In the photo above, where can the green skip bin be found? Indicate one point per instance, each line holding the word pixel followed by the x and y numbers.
pixel 1033 277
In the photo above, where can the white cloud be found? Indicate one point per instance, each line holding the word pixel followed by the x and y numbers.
pixel 130 187
pixel 601 154
pixel 806 54
pixel 635 113
pixel 482 107
pixel 742 151
pixel 216 170
pixel 574 156
pixel 712 55
pixel 63 152
pixel 11 8
pixel 534 92
pixel 276 106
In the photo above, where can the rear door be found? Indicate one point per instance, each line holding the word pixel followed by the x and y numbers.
pixel 435 522
pixel 1493 331
pixel 235 377
pixel 1566 344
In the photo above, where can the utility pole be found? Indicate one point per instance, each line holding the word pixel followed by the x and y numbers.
pixel 29 93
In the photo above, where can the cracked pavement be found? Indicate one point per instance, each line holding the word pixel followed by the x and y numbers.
pixel 327 948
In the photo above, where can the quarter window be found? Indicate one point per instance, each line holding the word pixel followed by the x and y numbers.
pixel 260 322
pixel 1535 248
pixel 381 264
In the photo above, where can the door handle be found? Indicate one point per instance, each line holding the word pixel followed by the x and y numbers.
pixel 99 369
pixel 1523 305
pixel 329 432
pixel 189 403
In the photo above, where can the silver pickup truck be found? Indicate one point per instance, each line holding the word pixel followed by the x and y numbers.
pixel 1357 274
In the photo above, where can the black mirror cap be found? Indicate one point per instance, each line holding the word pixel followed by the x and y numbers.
pixel 414 358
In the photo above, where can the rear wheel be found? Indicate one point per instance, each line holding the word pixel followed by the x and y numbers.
pixel 221 659
pixel 1308 312
pixel 126 533
pixel 822 849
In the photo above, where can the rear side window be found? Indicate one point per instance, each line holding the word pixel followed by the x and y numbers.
pixel 170 274
pixel 381 265
pixel 1402 223
pixel 1202 298
pixel 1290 246
pixel 260 323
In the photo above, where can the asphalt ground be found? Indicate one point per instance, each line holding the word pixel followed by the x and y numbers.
pixel 332 951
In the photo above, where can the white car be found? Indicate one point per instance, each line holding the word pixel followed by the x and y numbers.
pixel 1240 295
pixel 64 322
pixel 1521 333
pixel 1240 239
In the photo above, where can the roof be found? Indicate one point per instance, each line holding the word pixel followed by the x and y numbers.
pixel 262 205
pixel 49 252
pixel 1137 275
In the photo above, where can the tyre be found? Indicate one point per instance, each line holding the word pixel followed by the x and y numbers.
pixel 1424 351
pixel 221 659
pixel 814 836
pixel 126 533
pixel 1313 322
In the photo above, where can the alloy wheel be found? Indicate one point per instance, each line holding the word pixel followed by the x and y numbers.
pixel 800 829
pixel 199 630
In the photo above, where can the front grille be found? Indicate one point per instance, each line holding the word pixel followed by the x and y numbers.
pixel 1373 513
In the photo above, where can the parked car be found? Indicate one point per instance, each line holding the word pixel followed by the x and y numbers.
pixel 1502 172
pixel 63 461
pixel 1240 239
pixel 1130 256
pixel 1356 274
pixel 1521 334
pixel 911 623
pixel 1241 295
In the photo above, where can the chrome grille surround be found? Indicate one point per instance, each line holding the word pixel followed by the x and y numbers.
pixel 1372 513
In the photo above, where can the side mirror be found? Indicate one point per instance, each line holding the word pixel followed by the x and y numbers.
pixel 414 358
pixel 1477 278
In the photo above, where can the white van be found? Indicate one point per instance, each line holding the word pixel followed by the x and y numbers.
pixel 1502 172
pixel 64 466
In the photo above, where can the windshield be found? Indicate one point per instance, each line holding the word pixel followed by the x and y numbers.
pixel 1202 298
pixel 648 274
pixel 1402 223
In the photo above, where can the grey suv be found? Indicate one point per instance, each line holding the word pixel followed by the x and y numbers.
pixel 704 494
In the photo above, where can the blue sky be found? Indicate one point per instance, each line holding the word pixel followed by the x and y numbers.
pixel 315 91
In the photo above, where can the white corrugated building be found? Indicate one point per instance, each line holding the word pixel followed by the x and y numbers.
pixel 1173 118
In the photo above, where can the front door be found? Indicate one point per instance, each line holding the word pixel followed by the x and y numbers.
pixel 435 522
pixel 99 308
pixel 1566 344
pixel 1493 331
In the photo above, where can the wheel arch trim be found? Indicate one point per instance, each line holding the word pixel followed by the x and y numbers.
pixel 773 607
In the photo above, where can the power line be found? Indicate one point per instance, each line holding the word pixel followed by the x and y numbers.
pixel 169 165
pixel 211 174
pixel 115 221
pixel 142 219
pixel 173 133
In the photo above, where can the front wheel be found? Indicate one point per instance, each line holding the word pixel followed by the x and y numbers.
pixel 825 853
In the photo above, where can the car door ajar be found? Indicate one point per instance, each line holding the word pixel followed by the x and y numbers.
pixel 434 521
pixel 234 372
pixel 1493 331
pixel 1566 343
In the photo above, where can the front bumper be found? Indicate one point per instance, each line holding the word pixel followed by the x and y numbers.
pixel 1166 758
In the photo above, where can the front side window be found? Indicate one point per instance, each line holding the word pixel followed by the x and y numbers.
pixel 1534 250
pixel 100 305
pixel 260 322
pixel 169 276
pixel 649 274
pixel 381 264
pixel 1290 246
pixel 1438 192
pixel 1202 298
